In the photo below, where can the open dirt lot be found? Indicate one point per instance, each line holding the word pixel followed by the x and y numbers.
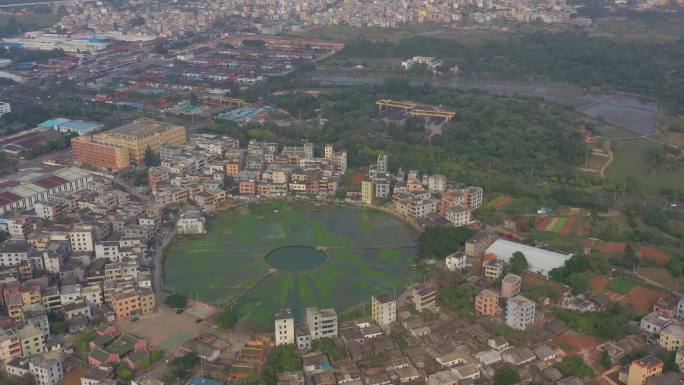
pixel 163 328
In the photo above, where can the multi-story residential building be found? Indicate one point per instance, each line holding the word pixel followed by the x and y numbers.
pixel 15 251
pixel 70 294
pixel 17 227
pixel 493 269
pixel 191 222
pixel 46 370
pixel 437 183
pixel 672 337
pixel 49 209
pixel 384 309
pixel 520 312
pixel 133 301
pixel 653 323
pixel 284 328
pixel 37 317
pixel 10 346
pixel 487 303
pixel 5 108
pixel 51 298
pixel 32 341
pixel 510 285
pixel 367 192
pixel 458 215
pixel 81 238
pixel 667 306
pixel 321 322
pixel 424 298
pixel 478 244
pixel 382 164
pixel 641 370
pixel 473 197
pixel 77 309
pixel 247 187
pixel 382 187
pixel 92 293
pixel 92 151
pixel 456 261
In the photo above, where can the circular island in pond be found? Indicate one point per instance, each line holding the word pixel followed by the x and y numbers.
pixel 255 260
pixel 296 259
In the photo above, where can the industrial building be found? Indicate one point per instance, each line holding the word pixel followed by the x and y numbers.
pixel 64 125
pixel 539 260
pixel 23 190
pixel 117 149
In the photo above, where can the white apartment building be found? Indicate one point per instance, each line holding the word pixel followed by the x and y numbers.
pixel 384 309
pixel 93 293
pixel 46 371
pixel 520 312
pixel 70 294
pixel 458 215
pixel 456 261
pixel 5 108
pixel 81 238
pixel 191 222
pixel 437 183
pixel 284 328
pixel 15 251
pixel 321 323
pixel 49 210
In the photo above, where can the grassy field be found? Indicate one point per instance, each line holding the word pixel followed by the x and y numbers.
pixel 621 285
pixel 370 252
pixel 630 161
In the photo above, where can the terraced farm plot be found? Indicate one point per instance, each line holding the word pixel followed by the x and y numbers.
pixel 369 252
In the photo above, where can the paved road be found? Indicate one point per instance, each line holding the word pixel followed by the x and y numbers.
pixel 33 3
pixel 158 274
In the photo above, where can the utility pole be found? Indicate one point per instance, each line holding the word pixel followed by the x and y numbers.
pixel 586 159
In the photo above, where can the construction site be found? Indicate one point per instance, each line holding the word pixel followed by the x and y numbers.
pixel 398 111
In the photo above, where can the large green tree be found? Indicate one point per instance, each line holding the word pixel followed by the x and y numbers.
pixel 506 376
pixel 518 262
pixel 440 241
pixel 176 301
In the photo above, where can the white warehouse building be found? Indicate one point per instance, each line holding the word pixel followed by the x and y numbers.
pixel 539 260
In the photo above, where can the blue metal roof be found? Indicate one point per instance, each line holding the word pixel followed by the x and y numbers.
pixel 203 381
pixel 53 123
pixel 79 125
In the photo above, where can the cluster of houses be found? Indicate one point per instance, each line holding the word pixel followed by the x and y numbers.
pixel 426 199
pixel 446 351
pixel 397 343
pixel 73 255
pixel 264 171
pixel 198 170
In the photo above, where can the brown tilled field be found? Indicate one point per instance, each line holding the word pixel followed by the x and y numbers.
pixel 651 253
pixel 599 283
pixel 642 298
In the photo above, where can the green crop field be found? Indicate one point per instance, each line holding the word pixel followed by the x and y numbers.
pixel 558 224
pixel 621 285
pixel 630 161
pixel 369 252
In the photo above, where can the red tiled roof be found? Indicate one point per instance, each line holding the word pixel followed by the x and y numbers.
pixel 50 182
pixel 8 197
